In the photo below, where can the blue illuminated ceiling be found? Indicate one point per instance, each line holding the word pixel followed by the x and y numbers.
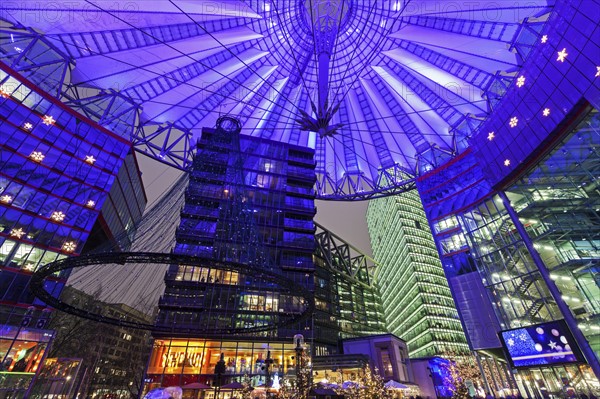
pixel 409 81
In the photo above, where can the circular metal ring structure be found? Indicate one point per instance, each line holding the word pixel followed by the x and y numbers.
pixel 251 281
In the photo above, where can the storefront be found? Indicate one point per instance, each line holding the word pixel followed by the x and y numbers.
pixel 178 362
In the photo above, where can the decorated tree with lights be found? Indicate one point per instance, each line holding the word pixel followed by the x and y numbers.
pixel 246 391
pixel 370 385
pixel 459 371
pixel 301 386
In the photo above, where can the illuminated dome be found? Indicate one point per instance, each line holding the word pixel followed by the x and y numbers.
pixel 383 90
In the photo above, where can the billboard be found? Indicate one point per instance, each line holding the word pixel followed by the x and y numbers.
pixel 543 344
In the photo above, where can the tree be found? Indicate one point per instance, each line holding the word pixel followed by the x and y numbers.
pixel 369 386
pixel 246 392
pixel 301 386
pixel 460 371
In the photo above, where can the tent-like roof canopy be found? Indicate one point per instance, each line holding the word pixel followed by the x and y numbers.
pixel 406 81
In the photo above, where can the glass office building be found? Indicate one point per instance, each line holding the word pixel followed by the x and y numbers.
pixel 347 298
pixel 416 298
pixel 56 169
pixel 249 202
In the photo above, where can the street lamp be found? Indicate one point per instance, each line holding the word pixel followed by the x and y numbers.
pixel 268 363
pixel 299 340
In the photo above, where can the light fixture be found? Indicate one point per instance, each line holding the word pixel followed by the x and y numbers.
pixel 48 120
pixel 7 199
pixel 544 39
pixel 17 233
pixel 4 93
pixel 27 126
pixel 514 121
pixel 546 112
pixel 58 216
pixel 37 156
pixel 90 204
pixel 491 136
pixel 521 81
pixel 90 159
pixel 507 162
pixel 69 246
pixel 562 55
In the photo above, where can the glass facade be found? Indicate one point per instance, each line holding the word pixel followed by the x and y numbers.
pixel 347 300
pixel 545 221
pixel 417 301
pixel 121 213
pixel 56 168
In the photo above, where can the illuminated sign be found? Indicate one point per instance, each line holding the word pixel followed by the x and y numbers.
pixel 541 345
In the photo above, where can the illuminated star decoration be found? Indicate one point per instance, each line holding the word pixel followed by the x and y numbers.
pixel 17 233
pixel 562 55
pixel 507 162
pixel 90 159
pixel 37 156
pixel 597 71
pixel 546 112
pixel 513 121
pixel 48 120
pixel 491 136
pixel 69 246
pixel 521 81
pixel 90 204
pixel 27 126
pixel 58 216
pixel 544 39
pixel 7 199
pixel 552 344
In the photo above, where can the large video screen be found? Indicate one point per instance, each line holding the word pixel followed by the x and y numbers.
pixel 541 345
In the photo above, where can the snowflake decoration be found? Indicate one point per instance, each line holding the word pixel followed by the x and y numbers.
pixel 552 345
pixel 546 112
pixel 69 246
pixel 514 121
pixel 491 136
pixel 58 216
pixel 544 39
pixel 562 55
pixel 37 156
pixel 511 342
pixel 48 120
pixel 7 199
pixel 507 162
pixel 597 71
pixel 90 159
pixel 17 233
pixel 90 204
pixel 27 126
pixel 521 81
pixel 523 337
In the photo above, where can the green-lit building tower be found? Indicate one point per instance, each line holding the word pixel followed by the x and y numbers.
pixel 417 302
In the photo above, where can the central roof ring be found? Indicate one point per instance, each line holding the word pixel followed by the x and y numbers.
pixel 346 7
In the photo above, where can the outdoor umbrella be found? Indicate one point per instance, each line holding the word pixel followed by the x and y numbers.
pixel 391 384
pixel 196 385
pixel 349 384
pixel 233 386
